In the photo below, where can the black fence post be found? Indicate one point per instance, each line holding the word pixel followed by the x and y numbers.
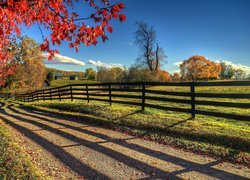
pixel 71 93
pixel 50 95
pixel 59 94
pixel 143 97
pixel 110 95
pixel 192 90
pixel 43 96
pixel 87 91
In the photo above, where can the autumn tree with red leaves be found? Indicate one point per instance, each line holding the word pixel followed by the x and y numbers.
pixel 59 17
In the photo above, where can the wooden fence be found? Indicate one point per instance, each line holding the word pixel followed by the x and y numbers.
pixel 143 94
pixel 7 96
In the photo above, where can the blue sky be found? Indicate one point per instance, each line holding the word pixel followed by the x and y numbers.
pixel 217 29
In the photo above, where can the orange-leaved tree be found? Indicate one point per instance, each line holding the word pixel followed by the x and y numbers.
pixel 59 17
pixel 199 68
pixel 164 76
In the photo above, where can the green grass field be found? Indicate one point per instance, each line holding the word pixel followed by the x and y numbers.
pixel 219 137
pixel 63 82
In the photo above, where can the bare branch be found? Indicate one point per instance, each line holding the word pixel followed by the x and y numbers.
pixel 145 39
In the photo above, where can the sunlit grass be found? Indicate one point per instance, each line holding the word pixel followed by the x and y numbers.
pixel 63 82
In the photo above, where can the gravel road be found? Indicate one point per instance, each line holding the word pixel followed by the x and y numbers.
pixel 68 148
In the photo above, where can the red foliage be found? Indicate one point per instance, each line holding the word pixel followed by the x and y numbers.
pixel 54 15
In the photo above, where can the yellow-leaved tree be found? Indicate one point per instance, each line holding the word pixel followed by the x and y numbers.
pixel 29 72
pixel 199 68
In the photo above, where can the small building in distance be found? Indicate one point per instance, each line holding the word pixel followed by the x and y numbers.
pixel 58 76
pixel 73 77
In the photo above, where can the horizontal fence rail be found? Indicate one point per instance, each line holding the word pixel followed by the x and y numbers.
pixel 145 97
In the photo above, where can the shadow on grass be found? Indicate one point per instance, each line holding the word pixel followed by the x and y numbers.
pixel 178 123
pixel 24 115
pixel 65 107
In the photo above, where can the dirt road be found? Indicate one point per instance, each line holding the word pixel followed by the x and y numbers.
pixel 68 148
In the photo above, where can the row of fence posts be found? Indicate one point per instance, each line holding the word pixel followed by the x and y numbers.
pixel 143 100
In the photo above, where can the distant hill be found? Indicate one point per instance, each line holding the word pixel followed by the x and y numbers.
pixel 80 75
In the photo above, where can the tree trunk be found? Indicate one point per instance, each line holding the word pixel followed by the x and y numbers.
pixel 157 57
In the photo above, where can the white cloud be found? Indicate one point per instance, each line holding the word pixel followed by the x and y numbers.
pixel 129 43
pixel 59 59
pixel 178 63
pixel 105 65
pixel 236 66
pixel 177 71
pixel 175 68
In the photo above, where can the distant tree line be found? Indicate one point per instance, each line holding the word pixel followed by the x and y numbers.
pixel 196 68
pixel 132 74
pixel 230 72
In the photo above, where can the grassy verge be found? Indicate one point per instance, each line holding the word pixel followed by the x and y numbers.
pixel 218 137
pixel 14 162
pixel 63 82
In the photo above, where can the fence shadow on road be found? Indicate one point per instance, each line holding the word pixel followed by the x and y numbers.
pixel 43 119
pixel 65 157
pixel 222 140
pixel 85 171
